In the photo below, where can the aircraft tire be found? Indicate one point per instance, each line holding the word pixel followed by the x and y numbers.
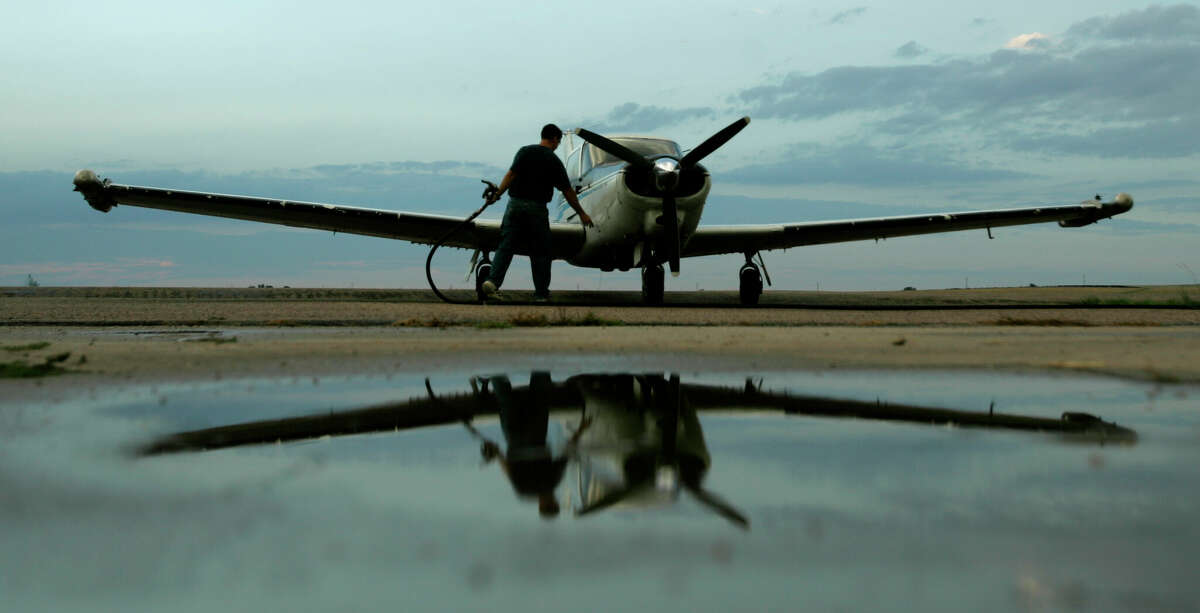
pixel 653 282
pixel 750 285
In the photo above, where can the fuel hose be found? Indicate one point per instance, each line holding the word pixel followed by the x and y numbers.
pixel 488 191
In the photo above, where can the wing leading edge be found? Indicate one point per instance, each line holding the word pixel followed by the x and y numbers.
pixel 413 227
pixel 713 240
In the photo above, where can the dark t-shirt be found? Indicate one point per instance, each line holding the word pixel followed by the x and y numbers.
pixel 536 172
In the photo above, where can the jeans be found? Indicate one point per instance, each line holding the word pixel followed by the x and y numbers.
pixel 524 231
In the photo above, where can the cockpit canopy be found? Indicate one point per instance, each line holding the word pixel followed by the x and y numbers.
pixel 587 157
pixel 646 146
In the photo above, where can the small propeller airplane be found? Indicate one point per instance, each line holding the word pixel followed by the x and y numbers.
pixel 645 196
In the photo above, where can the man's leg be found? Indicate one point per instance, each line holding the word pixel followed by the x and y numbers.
pixel 540 254
pixel 504 252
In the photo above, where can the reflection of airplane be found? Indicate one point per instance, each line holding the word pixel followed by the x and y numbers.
pixel 645 196
pixel 644 444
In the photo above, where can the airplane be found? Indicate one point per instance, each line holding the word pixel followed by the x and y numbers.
pixel 644 445
pixel 645 196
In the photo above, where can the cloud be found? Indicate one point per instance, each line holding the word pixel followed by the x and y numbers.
pixel 118 268
pixel 633 117
pixel 445 167
pixel 848 15
pixel 1033 40
pixel 1156 23
pixel 1057 98
pixel 910 50
pixel 862 164
pixel 1189 204
pixel 1155 139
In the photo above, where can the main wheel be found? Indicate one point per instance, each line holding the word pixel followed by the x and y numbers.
pixel 652 284
pixel 482 271
pixel 749 284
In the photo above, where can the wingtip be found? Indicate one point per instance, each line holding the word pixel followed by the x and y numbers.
pixel 93 190
pixel 86 178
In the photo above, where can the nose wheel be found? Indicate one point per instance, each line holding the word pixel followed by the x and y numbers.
pixel 750 284
pixel 483 270
pixel 653 284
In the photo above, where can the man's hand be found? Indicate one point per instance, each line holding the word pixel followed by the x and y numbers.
pixel 586 220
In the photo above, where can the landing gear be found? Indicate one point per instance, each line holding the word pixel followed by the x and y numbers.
pixel 750 284
pixel 483 270
pixel 652 284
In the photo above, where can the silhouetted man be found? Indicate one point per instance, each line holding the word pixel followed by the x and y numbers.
pixel 530 182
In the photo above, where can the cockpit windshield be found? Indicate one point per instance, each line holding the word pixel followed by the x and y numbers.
pixel 644 146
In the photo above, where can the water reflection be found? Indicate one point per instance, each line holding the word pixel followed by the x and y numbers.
pixel 634 440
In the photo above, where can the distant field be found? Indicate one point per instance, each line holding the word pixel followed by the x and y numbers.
pixel 1186 296
pixel 171 306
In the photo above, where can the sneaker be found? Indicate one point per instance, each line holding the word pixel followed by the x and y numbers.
pixel 491 292
pixel 541 299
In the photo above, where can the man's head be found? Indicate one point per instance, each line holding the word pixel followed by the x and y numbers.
pixel 551 135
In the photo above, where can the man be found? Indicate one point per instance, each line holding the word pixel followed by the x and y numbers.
pixel 530 182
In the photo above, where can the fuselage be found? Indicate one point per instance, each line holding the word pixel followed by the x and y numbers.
pixel 625 209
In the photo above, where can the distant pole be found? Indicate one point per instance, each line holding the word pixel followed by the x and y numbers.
pixel 966 282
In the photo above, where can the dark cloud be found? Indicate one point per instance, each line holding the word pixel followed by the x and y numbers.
pixel 1161 184
pixel 1128 226
pixel 1040 99
pixel 910 50
pixel 848 15
pixel 1189 204
pixel 1156 139
pixel 437 167
pixel 633 117
pixel 861 164
pixel 1159 23
pixel 979 22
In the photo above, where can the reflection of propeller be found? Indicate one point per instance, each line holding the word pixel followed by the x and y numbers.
pixel 684 470
pixel 718 504
pixel 666 172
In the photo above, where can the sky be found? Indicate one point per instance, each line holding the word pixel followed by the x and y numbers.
pixel 857 110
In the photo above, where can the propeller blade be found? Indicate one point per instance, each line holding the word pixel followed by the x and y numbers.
pixel 713 142
pixel 614 148
pixel 671 226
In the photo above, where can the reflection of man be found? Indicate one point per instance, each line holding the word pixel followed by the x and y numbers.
pixel 532 467
pixel 530 183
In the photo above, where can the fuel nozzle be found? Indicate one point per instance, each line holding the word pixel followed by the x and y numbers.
pixel 490 190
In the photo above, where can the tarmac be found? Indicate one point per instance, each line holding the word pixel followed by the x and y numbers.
pixel 163 334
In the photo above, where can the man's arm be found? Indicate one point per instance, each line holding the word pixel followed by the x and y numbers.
pixel 573 200
pixel 508 179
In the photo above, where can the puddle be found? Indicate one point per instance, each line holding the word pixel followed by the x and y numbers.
pixel 682 491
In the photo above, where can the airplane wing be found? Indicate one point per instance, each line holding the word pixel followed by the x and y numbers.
pixel 413 227
pixel 713 240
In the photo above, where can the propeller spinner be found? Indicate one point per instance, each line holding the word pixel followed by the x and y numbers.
pixel 666 172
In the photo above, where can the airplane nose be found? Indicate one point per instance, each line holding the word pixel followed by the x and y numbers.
pixel 666 174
